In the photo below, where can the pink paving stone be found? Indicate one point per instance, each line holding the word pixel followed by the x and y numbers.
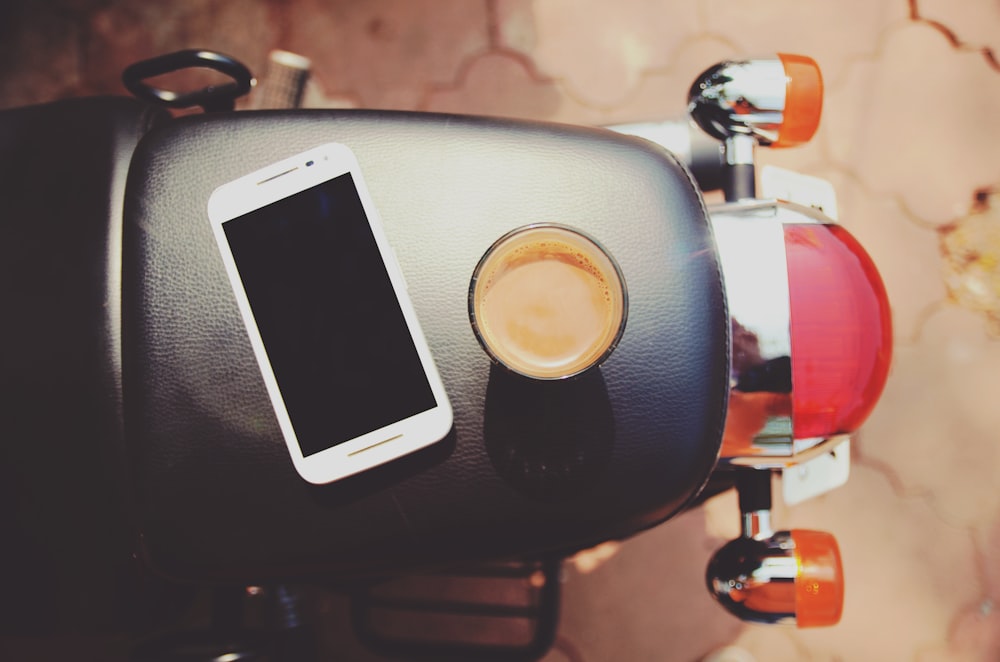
pixel 919 122
pixel 937 422
pixel 906 570
pixel 497 84
pixel 129 31
pixel 245 30
pixel 39 58
pixel 385 53
pixel 599 49
pixel 514 25
pixel 975 23
pixel 832 33
pixel 649 601
pixel 661 93
pixel 975 638
pixel 722 520
pixel 987 537
pixel 971 253
pixel 773 644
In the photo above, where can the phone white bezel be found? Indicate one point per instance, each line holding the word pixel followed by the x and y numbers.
pixel 284 179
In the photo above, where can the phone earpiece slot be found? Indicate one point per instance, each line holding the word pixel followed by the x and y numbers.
pixel 280 174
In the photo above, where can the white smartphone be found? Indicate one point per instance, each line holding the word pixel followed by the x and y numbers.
pixel 324 302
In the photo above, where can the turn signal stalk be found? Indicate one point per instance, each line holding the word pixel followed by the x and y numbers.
pixel 794 577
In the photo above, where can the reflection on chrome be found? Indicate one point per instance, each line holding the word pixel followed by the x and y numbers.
pixel 757 524
pixel 751 244
pixel 755 578
pixel 752 253
pixel 741 97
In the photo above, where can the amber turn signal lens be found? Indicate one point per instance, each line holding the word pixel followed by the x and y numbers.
pixel 819 587
pixel 803 100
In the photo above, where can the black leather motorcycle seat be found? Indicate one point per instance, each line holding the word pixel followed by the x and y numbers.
pixel 67 543
pixel 528 468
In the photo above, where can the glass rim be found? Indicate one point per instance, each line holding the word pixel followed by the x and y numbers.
pixel 621 288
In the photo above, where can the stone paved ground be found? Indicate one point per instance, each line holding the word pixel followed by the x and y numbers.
pixel 910 138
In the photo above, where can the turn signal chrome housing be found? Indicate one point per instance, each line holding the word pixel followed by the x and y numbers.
pixel 794 577
pixel 777 101
pixel 772 102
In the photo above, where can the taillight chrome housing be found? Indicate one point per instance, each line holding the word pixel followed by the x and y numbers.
pixel 811 332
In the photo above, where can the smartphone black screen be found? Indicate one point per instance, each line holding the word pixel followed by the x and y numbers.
pixel 332 327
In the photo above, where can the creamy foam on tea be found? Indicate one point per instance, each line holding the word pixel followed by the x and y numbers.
pixel 548 303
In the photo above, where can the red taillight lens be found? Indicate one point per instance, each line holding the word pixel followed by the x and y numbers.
pixel 841 330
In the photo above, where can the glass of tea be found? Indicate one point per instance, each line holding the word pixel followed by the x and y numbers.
pixel 547 301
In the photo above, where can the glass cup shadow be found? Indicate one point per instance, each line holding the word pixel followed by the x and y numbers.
pixel 550 440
